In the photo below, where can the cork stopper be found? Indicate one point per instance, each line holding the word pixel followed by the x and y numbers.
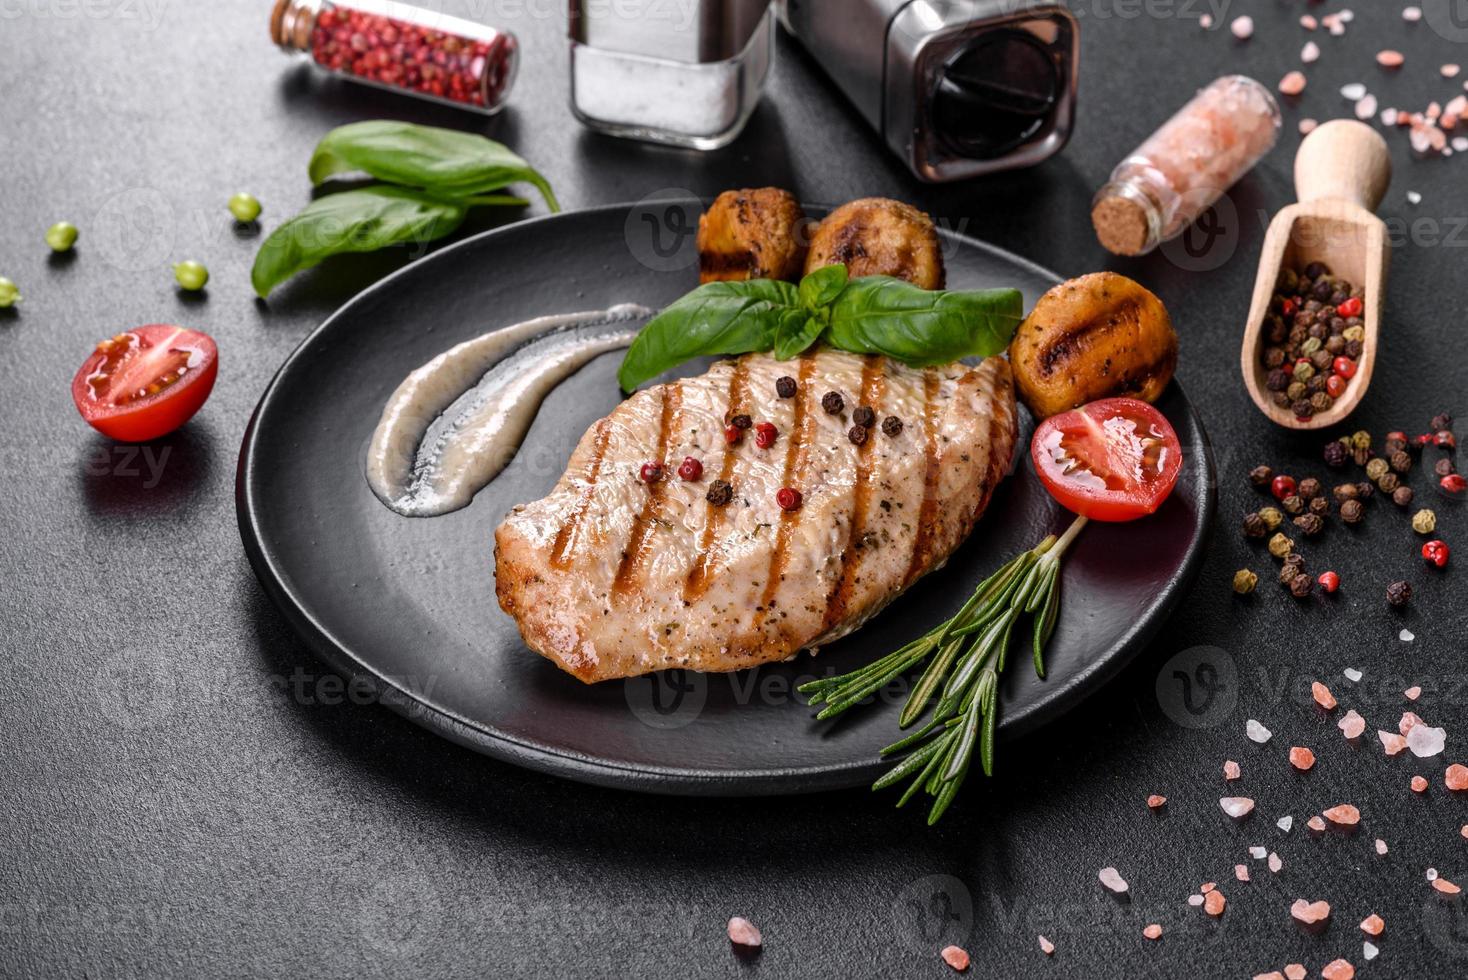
pixel 1122 225
pixel 291 23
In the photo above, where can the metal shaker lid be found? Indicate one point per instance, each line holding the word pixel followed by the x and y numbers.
pixel 693 31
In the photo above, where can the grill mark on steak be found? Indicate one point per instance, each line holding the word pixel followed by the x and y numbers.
pixel 699 576
pixel 565 543
pixel 797 455
pixel 872 385
pixel 637 548
pixel 927 513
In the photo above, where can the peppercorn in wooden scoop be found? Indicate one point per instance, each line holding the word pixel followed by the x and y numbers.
pixel 1341 173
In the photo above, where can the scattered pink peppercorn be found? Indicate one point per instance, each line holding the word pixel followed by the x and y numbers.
pixel 1329 581
pixel 1445 440
pixel 1453 484
pixel 765 435
pixel 1436 552
pixel 1282 487
pixel 691 469
pixel 788 498
pixel 651 472
pixel 733 435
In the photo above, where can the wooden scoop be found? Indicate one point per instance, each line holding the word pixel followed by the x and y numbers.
pixel 1341 172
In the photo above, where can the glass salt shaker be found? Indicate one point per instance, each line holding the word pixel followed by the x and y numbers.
pixel 1184 167
pixel 688 74
pixel 402 48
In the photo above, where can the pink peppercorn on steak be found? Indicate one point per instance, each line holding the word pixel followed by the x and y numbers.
pixel 763 507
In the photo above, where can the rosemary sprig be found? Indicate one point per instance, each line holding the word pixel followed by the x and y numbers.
pixel 958 689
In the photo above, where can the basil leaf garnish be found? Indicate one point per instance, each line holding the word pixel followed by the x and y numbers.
pixel 445 162
pixel 716 318
pixel 353 221
pixel 870 315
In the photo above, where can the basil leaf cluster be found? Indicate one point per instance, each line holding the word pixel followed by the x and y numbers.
pixel 430 178
pixel 869 315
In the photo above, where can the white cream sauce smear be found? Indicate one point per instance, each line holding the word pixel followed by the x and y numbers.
pixel 457 421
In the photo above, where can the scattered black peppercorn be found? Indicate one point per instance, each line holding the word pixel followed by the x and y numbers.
pixel 832 402
pixel 741 421
pixel 1336 454
pixel 864 416
pixel 1346 491
pixel 1260 476
pixel 1254 526
pixel 1401 461
pixel 785 387
pixel 1320 505
pixel 892 426
pixel 1444 467
pixel 720 493
pixel 857 434
pixel 1442 421
pixel 1388 483
pixel 1352 512
pixel 1365 489
pixel 1293 504
pixel 1309 488
pixel 1301 586
pixel 1288 571
pixel 1402 496
pixel 1361 455
pixel 1311 524
pixel 1399 593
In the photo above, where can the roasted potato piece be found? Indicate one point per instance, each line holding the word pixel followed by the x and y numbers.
pixel 877 236
pixel 752 234
pixel 1094 337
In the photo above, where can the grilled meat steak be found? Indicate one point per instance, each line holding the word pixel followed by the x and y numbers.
pixel 614 576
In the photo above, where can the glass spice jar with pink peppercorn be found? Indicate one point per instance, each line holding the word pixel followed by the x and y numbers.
pixel 402 48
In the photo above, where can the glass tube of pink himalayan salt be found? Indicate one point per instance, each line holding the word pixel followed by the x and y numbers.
pixel 1186 165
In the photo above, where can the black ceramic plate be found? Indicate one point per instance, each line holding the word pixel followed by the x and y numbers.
pixel 408 605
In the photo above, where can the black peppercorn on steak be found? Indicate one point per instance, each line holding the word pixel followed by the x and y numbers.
pixel 627 568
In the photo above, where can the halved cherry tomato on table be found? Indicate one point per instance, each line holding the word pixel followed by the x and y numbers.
pixel 147 382
pixel 1115 459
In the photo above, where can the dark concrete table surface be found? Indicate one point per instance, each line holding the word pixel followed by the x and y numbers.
pixel 184 790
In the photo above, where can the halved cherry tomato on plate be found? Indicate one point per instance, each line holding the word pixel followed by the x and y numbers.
pixel 145 383
pixel 1115 459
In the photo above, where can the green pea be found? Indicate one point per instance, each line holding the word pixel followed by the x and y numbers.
pixel 9 294
pixel 191 275
pixel 61 236
pixel 244 207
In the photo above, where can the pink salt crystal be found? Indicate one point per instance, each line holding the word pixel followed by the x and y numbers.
pixel 1419 785
pixel 1315 823
pixel 1275 863
pixel 1464 831
pixel 742 932
pixel 1242 27
pixel 1310 912
pixel 1207 887
pixel 1257 853
pixel 1237 806
pixel 1426 741
pixel 1206 21
pixel 1319 691
pixel 1432 874
pixel 1046 946
pixel 1337 970
pixel 1456 777
pixel 1302 759
pixel 1230 770
pixel 1257 733
pixel 1460 144
pixel 1450 70
pixel 1389 59
pixel 1343 815
pixel 1391 742
pixel 1114 882
pixel 1292 84
pixel 1309 23
pixel 1457 106
pixel 1156 802
pixel 1411 14
pixel 1412 693
pixel 956 957
pixel 1214 903
pixel 1307 126
pixel 1353 91
pixel 1352 724
pixel 1153 931
pixel 1336 28
pixel 1309 54
pixel 1388 117
pixel 1295 972
pixel 1446 887
pixel 1380 846
pixel 1408 721
pixel 1196 900
pixel 1285 823
pixel 1241 872
pixel 1372 925
pixel 1366 108
pixel 1434 110
pixel 1369 951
